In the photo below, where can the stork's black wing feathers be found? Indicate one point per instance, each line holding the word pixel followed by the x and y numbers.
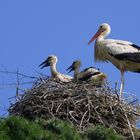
pixel 88 76
pixel 135 46
pixel 134 57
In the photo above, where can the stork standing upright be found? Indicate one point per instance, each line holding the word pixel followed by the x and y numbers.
pixel 52 61
pixel 123 54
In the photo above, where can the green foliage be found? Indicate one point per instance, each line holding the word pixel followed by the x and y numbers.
pixel 3 130
pixel 63 129
pixel 18 128
pixel 101 133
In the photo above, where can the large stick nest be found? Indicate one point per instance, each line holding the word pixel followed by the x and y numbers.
pixel 82 104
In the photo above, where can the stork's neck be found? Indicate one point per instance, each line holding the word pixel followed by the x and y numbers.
pixel 100 38
pixel 53 70
pixel 76 71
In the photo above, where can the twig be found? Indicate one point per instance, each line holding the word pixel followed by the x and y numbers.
pixel 52 106
pixel 83 119
pixel 58 108
pixel 129 124
pixel 98 115
pixel 70 112
pixel 15 73
pixel 17 86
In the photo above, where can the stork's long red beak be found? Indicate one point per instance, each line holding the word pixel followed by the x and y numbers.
pixel 94 37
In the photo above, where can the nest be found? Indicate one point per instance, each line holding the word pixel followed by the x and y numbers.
pixel 82 104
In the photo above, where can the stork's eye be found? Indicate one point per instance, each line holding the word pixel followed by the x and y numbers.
pixel 101 26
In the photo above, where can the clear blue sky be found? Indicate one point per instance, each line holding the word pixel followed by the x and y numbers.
pixel 30 30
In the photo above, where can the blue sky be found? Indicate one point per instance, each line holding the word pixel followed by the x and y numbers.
pixel 30 30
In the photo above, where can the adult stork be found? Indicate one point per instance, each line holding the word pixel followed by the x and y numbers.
pixel 52 61
pixel 123 54
pixel 90 74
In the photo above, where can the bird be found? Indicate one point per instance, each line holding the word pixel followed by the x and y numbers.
pixel 88 74
pixel 52 61
pixel 124 55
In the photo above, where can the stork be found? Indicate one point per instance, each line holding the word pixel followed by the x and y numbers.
pixel 123 54
pixel 89 74
pixel 52 61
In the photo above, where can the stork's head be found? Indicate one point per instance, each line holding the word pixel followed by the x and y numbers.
pixel 76 64
pixel 52 59
pixel 103 30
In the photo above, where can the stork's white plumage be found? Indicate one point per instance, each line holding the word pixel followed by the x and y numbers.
pixel 89 74
pixel 123 54
pixel 52 61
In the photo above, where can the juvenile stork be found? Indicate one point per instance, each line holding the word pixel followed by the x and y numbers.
pixel 52 61
pixel 88 74
pixel 123 54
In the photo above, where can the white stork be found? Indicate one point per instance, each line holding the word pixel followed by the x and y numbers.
pixel 52 61
pixel 123 54
pixel 89 74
